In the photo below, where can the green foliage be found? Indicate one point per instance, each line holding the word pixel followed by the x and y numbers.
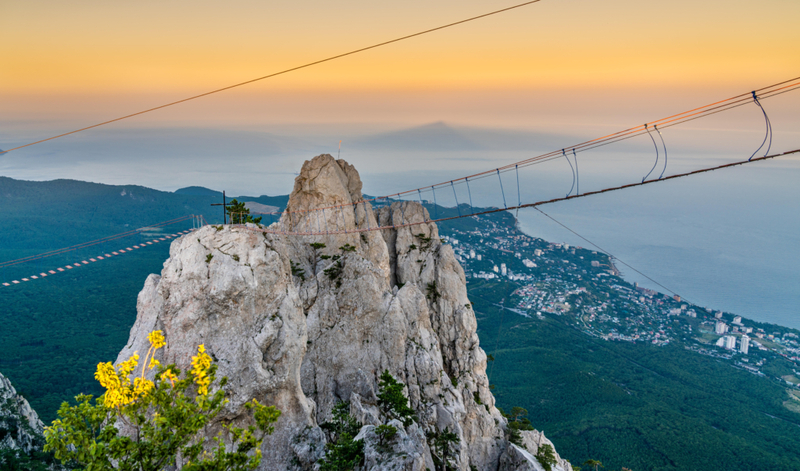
pixel 208 258
pixel 341 423
pixel 442 445
pixel 412 246
pixel 425 242
pixel 334 272
pixel 317 246
pixel 432 292
pixel 16 460
pixel 546 456
pixel 239 214
pixel 593 463
pixel 165 421
pixel 385 433
pixel 391 400
pixel 297 271
pixel 634 405
pixel 347 248
pixel 343 453
pixel 477 397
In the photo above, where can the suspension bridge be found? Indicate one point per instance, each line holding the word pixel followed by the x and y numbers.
pixel 339 219
pixel 327 220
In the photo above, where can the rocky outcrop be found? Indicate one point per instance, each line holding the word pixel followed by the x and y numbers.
pixel 20 427
pixel 304 327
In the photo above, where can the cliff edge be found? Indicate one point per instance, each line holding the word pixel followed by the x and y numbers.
pixel 305 328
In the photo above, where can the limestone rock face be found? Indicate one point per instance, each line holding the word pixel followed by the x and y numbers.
pixel 20 427
pixel 304 328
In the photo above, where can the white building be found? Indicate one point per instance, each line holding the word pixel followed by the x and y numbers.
pixel 537 252
pixel 595 263
pixel 529 263
pixel 720 342
pixel 744 344
pixel 718 314
pixel 737 320
pixel 503 269
pixel 721 328
pixel 730 342
pixel 495 269
pixel 471 254
pixel 478 257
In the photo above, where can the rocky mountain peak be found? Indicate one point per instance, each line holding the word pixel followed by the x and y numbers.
pixel 305 328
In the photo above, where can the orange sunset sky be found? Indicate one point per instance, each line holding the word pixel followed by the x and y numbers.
pixel 90 59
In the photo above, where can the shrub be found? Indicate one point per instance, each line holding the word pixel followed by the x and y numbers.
pixel 166 414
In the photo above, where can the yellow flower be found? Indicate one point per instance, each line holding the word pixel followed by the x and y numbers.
pixel 141 387
pixel 107 377
pixel 156 339
pixel 126 367
pixel 200 366
pixel 154 363
pixel 170 376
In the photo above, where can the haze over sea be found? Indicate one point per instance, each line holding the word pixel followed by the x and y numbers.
pixel 726 240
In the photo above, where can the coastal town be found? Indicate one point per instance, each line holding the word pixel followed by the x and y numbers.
pixel 584 287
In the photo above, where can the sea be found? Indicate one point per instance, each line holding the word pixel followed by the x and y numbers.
pixel 727 240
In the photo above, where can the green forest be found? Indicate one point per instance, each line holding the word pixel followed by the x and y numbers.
pixel 631 405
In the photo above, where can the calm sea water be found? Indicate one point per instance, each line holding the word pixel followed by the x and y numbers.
pixel 728 240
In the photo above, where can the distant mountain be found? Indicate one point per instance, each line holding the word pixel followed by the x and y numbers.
pixel 442 137
pixel 197 191
pixel 40 216
pixel 436 137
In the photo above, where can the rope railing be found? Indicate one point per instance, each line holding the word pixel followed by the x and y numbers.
pixel 290 216
pixel 277 231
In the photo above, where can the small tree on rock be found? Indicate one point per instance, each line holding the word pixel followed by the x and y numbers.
pixel 239 214
pixel 391 400
pixel 546 456
pixel 442 445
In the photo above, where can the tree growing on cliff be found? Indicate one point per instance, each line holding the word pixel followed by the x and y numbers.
pixel 239 214
pixel 546 456
pixel 163 418
pixel 593 463
pixel 342 452
pixel 442 445
pixel 391 400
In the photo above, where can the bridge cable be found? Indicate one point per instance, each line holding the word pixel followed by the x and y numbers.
pixel 501 188
pixel 769 127
pixel 655 126
pixel 577 174
pixel 656 147
pixel 573 171
pixel 604 251
pixel 456 197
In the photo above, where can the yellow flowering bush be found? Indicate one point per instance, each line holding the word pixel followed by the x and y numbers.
pixel 166 414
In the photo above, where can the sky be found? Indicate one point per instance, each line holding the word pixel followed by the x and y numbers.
pixel 568 67
pixel 433 108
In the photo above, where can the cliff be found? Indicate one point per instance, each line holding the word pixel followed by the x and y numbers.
pixel 20 427
pixel 303 328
